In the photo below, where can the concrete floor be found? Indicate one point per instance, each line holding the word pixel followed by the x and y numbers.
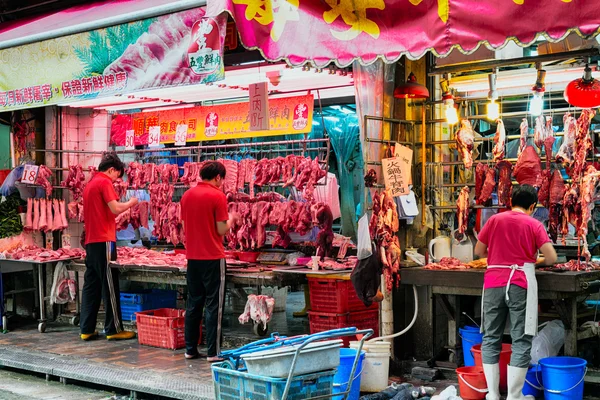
pixel 20 386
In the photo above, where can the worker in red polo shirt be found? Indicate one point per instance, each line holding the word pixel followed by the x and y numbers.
pixel 205 222
pixel 100 207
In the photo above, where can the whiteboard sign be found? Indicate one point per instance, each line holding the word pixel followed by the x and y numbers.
pixel 259 106
pixel 129 140
pixel 154 136
pixel 30 174
pixel 181 135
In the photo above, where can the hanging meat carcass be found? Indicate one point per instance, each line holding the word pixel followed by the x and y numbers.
pixel 566 152
pixel 589 195
pixel 528 170
pixel 583 143
pixel 489 185
pixel 557 193
pixel 480 174
pixel 544 137
pixel 462 209
pixel 383 227
pixel 504 183
pixel 499 150
pixel 524 128
pixel 465 141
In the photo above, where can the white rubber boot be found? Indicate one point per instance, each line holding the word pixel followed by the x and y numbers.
pixel 516 380
pixel 492 377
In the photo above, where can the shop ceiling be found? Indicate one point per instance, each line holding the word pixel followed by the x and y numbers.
pixel 283 81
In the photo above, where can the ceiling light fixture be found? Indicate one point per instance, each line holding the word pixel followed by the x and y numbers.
pixel 583 92
pixel 536 104
pixel 448 102
pixel 493 108
pixel 411 89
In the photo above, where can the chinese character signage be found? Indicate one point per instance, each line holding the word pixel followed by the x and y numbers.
pixel 394 176
pixel 286 116
pixel 259 106
pixel 184 48
pixel 369 29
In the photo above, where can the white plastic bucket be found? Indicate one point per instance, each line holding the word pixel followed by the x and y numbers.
pixel 376 367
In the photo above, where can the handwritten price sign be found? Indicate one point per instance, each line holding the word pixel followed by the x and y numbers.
pixel 154 136
pixel 130 140
pixel 30 174
pixel 181 135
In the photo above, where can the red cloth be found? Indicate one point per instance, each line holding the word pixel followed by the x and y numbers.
pixel 201 208
pixel 99 220
pixel 512 238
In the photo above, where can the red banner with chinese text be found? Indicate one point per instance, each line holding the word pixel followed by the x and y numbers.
pixel 287 116
pixel 345 30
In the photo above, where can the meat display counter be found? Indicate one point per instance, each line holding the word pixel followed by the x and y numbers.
pixel 561 288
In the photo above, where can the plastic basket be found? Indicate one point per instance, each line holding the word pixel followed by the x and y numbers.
pixel 335 296
pixel 235 385
pixel 320 322
pixel 152 299
pixel 162 328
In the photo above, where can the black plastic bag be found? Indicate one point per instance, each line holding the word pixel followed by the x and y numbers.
pixel 366 276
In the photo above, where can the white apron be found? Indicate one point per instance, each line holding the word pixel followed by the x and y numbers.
pixel 531 313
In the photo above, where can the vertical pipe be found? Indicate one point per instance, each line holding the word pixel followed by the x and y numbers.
pixel 423 172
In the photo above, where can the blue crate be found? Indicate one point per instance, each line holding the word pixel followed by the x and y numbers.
pixel 145 300
pixel 238 385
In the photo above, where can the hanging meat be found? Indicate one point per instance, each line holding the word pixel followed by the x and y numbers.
pixel 566 152
pixel 544 136
pixel 36 214
pixel 589 195
pixel 75 181
pixel 462 209
pixel 499 150
pixel 524 128
pixel 557 193
pixel 465 140
pixel 42 179
pixel 29 216
pixel 544 190
pixel 43 212
pixel 384 226
pixel 504 183
pixel 528 170
pixel 488 186
pixel 583 142
pixel 571 209
pixel 480 173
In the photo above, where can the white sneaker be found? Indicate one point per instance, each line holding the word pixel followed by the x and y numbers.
pixel 492 377
pixel 516 380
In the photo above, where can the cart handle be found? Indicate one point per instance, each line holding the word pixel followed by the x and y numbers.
pixel 367 333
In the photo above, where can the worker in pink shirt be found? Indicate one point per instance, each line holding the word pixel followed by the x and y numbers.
pixel 511 241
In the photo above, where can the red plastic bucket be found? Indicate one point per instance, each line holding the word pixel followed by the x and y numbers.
pixel 471 383
pixel 505 354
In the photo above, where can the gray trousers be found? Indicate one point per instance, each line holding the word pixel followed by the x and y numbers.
pixel 495 311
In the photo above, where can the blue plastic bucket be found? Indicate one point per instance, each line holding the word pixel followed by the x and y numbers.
pixel 563 377
pixel 342 376
pixel 470 337
pixel 533 382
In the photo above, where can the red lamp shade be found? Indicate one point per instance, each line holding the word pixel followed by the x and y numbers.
pixel 411 89
pixel 584 92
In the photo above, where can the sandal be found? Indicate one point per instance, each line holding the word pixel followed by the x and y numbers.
pixel 214 359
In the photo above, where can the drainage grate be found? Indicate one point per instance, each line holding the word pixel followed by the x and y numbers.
pixel 101 374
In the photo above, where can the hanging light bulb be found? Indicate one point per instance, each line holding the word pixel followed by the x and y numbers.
pixel 536 104
pixel 493 108
pixel 448 103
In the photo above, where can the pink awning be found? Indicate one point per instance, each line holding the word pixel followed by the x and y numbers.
pixel 342 31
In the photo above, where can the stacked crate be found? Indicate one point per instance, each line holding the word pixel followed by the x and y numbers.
pixel 334 304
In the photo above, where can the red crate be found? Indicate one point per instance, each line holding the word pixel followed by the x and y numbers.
pixel 162 328
pixel 335 296
pixel 368 319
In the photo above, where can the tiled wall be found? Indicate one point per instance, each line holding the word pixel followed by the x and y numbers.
pixel 88 130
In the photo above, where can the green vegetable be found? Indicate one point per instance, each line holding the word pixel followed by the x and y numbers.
pixel 10 220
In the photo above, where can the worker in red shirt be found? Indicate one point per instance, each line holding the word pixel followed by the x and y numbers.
pixel 205 221
pixel 100 207
pixel 511 241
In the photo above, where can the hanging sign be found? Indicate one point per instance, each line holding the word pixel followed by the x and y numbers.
pixel 130 139
pixel 181 135
pixel 66 241
pixel 183 48
pixel 30 174
pixel 154 136
pixel 287 116
pixel 393 175
pixel 259 106
pixel 405 155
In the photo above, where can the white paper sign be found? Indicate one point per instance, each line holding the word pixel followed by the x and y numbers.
pixel 66 241
pixel 405 155
pixel 29 174
pixel 393 176
pixel 259 106
pixel 181 135
pixel 130 140
pixel 154 136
